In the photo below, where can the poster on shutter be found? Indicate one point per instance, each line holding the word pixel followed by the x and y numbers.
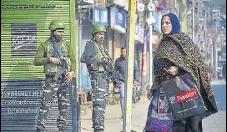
pixel 23 39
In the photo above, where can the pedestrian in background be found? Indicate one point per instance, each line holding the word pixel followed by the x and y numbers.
pixel 177 55
pixel 96 57
pixel 47 56
pixel 120 66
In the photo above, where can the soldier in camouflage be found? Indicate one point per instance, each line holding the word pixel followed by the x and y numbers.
pixel 46 55
pixel 96 56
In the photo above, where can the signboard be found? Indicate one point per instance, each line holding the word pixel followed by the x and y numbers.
pixel 121 3
pixel 100 16
pixel 118 19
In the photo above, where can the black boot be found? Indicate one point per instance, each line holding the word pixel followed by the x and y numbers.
pixel 98 130
pixel 61 130
pixel 39 130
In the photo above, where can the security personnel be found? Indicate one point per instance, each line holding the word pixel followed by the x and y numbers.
pixel 47 56
pixel 95 56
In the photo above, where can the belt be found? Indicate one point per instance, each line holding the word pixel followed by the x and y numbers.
pixel 52 76
pixel 96 72
pixel 102 74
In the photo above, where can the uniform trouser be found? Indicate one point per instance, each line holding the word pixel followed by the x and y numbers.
pixel 52 89
pixel 100 87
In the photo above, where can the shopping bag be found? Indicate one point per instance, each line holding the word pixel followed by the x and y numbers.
pixel 159 114
pixel 184 98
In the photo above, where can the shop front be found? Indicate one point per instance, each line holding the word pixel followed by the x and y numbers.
pixel 24 25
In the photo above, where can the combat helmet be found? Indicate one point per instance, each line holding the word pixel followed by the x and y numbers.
pixel 98 28
pixel 55 24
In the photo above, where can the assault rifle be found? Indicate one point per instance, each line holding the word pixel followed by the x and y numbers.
pixel 108 66
pixel 63 70
pixel 114 75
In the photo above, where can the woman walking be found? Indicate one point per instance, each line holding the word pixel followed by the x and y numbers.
pixel 177 55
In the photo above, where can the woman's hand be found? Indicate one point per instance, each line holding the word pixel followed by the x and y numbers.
pixel 149 94
pixel 173 70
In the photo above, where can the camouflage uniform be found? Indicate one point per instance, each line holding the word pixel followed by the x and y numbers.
pixel 51 90
pixel 54 88
pixel 93 57
pixel 100 86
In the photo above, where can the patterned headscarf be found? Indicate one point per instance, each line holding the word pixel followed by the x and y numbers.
pixel 175 23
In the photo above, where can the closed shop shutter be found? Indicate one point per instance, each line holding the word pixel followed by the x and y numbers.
pixel 24 25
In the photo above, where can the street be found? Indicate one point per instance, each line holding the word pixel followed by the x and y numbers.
pixel 220 95
pixel 113 123
pixel 217 122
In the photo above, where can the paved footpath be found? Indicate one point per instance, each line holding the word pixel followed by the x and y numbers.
pixel 113 123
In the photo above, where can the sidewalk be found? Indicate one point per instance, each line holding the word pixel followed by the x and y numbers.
pixel 113 123
pixel 218 82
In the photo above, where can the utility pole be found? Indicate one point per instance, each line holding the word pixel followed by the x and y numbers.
pixel 216 51
pixel 176 8
pixel 193 20
pixel 205 35
pixel 130 62
pixel 74 103
pixel 215 14
pixel 150 20
pixel 150 50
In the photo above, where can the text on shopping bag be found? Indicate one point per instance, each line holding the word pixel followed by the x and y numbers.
pixel 187 95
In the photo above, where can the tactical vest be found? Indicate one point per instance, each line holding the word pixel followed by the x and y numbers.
pixel 50 68
pixel 99 53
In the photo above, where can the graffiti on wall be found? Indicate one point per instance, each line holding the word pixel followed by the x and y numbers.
pixel 23 39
